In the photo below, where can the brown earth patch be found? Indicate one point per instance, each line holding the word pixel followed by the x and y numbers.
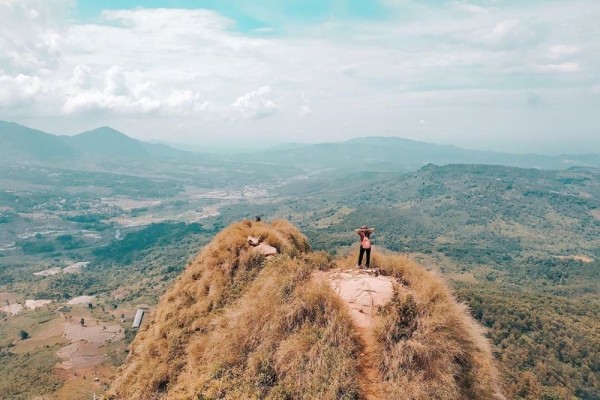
pixel 84 351
pixel 466 277
pixel 582 258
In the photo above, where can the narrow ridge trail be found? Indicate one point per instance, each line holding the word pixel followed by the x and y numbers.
pixel 371 380
pixel 364 292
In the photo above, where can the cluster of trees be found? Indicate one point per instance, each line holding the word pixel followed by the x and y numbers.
pixel 39 244
pixel 549 346
pixel 135 244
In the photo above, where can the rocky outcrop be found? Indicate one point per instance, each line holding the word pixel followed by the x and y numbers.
pixel 364 293
pixel 260 247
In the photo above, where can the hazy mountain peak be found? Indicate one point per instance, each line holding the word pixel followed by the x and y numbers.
pixel 104 132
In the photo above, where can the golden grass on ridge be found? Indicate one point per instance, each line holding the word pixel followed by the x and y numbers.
pixel 238 326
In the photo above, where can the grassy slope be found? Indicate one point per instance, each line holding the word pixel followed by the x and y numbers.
pixel 235 325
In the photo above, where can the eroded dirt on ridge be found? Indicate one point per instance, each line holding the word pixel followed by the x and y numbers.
pixel 363 291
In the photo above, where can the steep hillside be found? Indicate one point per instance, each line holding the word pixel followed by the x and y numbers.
pixel 238 325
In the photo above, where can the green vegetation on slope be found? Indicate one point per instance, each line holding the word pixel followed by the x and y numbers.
pixel 554 341
pixel 23 376
pixel 133 245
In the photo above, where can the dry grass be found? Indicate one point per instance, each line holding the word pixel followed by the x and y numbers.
pixel 427 345
pixel 287 338
pixel 237 326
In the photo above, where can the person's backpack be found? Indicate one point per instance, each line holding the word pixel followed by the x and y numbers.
pixel 365 242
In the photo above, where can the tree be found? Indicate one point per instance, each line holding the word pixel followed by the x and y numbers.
pixel 23 335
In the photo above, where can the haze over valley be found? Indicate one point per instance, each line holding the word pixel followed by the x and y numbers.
pixel 186 187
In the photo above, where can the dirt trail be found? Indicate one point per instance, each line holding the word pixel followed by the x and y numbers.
pixel 364 292
pixel 370 381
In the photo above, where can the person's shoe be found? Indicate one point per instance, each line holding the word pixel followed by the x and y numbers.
pixel 357 266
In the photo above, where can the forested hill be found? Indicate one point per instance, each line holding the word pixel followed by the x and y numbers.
pixel 488 207
pixel 474 212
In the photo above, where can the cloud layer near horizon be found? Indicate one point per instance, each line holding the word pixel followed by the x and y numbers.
pixel 480 73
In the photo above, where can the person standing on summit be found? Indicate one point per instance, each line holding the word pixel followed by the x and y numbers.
pixel 365 244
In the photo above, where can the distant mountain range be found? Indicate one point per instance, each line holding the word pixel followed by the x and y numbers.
pixel 394 153
pixel 22 144
pixel 19 143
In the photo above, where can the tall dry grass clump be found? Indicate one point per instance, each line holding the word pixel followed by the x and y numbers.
pixel 427 345
pixel 237 326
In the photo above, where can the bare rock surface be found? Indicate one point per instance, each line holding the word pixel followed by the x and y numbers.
pixel 261 247
pixel 266 250
pixel 362 291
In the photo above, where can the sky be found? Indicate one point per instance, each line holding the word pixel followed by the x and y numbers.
pixel 504 75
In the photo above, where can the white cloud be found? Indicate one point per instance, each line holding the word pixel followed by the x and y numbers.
pixel 94 100
pixel 558 51
pixel 19 90
pixel 81 77
pixel 567 67
pixel 305 110
pixel 470 8
pixel 31 33
pixel 255 103
pixel 181 100
pixel 116 84
pixel 115 96
pixel 160 64
pixel 512 34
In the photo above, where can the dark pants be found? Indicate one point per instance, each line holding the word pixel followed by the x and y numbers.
pixel 360 256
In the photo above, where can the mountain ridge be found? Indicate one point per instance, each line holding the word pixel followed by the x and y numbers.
pixel 23 144
pixel 371 153
pixel 237 324
pixel 382 153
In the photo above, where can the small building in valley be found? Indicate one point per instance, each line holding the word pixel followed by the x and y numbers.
pixel 137 320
